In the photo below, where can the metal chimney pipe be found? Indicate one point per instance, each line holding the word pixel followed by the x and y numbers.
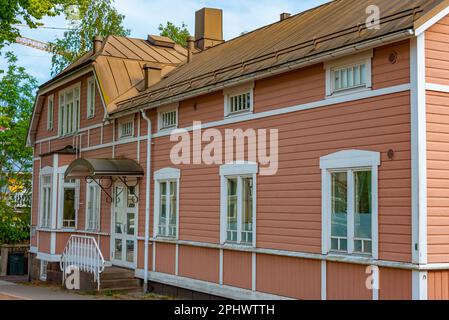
pixel 190 47
pixel 98 43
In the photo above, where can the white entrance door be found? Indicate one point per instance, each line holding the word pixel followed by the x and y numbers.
pixel 124 226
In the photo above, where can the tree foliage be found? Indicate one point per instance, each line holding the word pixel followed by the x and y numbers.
pixel 94 17
pixel 27 12
pixel 17 90
pixel 177 34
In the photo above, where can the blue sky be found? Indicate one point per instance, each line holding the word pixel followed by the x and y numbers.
pixel 143 18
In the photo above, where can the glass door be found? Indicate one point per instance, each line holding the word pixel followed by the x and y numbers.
pixel 124 226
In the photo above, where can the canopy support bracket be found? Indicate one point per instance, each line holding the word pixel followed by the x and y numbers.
pixel 89 179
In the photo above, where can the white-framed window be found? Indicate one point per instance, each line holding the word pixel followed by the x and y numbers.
pixel 350 202
pixel 126 128
pixel 43 270
pixel 90 97
pixel 46 201
pixel 239 100
pixel 69 200
pixel 50 113
pixel 349 74
pixel 166 203
pixel 238 203
pixel 93 206
pixel 69 110
pixel 168 117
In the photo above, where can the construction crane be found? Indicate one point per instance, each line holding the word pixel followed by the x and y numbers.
pixel 36 44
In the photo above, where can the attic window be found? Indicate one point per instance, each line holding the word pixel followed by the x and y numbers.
pixel 90 98
pixel 348 75
pixel 50 113
pixel 168 117
pixel 239 100
pixel 126 129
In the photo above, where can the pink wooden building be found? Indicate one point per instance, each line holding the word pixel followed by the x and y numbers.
pixel 349 202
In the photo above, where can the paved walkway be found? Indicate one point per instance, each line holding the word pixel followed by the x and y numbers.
pixel 18 291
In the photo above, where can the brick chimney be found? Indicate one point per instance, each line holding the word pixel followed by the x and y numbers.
pixel 208 28
pixel 98 42
pixel 152 74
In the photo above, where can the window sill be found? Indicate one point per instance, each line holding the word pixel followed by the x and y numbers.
pixel 348 92
pixel 165 238
pixel 346 257
pixel 240 246
pixel 238 114
pixel 167 129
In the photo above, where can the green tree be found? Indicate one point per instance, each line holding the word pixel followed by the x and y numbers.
pixel 17 89
pixel 25 11
pixel 94 17
pixel 177 34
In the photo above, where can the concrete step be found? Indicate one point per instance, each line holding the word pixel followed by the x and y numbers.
pixel 117 273
pixel 114 284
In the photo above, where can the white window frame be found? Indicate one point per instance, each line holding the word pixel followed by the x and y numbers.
pixel 50 112
pixel 351 161
pixel 165 175
pixel 97 215
pixel 239 170
pixel 90 112
pixel 353 60
pixel 167 109
pixel 46 172
pixel 75 114
pixel 238 90
pixel 62 186
pixel 121 135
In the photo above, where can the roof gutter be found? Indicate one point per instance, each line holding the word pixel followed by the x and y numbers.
pixel 390 38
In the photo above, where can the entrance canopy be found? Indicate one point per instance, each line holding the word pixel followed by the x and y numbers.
pixel 101 168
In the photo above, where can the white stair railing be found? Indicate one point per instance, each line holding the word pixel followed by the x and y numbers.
pixel 84 253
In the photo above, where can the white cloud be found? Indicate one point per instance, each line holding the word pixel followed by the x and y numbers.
pixel 143 18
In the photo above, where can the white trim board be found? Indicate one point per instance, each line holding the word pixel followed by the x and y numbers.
pixel 48 257
pixel 429 23
pixel 208 287
pixel 437 87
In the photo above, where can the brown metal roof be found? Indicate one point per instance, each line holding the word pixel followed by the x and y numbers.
pixel 334 25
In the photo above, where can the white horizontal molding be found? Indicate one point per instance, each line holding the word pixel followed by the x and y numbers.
pixel 350 159
pixel 33 249
pixel 48 257
pixel 208 287
pixel 239 168
pixel 437 87
pixel 167 174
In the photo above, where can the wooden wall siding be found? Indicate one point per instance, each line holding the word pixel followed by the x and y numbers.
pixel 60 143
pixel 104 242
pixel 108 133
pixel 42 131
pixel 289 203
pixel 94 137
pixel 126 150
pixel 142 193
pixel 289 277
pixel 198 263
pixel 438 285
pixel 395 284
pixel 437 52
pixel 61 241
pixel 165 257
pixel 65 159
pixel 347 282
pixel 47 161
pixel 237 269
pixel 44 241
pixel 141 255
pixel 292 88
pixel 387 74
pixel 437 177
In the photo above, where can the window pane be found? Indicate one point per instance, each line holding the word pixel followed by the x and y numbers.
pixel 69 208
pixel 362 213
pixel 247 210
pixel 130 223
pixel 339 205
pixel 163 208
pixel 173 209
pixel 232 210
pixel 363 74
pixel 130 250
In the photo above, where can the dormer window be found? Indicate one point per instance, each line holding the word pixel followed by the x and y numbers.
pixel 348 75
pixel 168 117
pixel 69 110
pixel 239 100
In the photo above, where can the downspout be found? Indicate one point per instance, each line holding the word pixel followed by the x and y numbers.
pixel 147 201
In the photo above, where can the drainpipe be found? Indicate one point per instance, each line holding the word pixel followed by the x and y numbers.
pixel 147 202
